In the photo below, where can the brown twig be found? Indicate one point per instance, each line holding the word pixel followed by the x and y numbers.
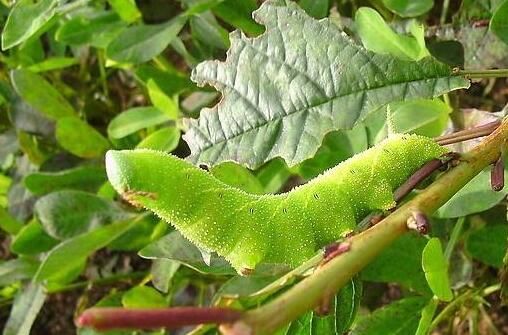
pixel 122 318
pixel 422 173
pixel 468 134
pixel 497 175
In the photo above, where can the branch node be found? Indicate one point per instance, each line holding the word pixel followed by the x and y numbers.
pixel 324 306
pixel 497 175
pixel 237 328
pixel 418 221
pixel 335 249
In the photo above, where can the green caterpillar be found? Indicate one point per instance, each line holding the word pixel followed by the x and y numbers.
pixel 288 228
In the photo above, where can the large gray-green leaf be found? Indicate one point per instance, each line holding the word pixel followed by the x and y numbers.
pixel 284 90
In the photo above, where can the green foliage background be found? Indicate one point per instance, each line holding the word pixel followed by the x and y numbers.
pixel 80 77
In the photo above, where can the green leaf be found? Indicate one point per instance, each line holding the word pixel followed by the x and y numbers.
pixel 195 7
pixel 144 233
pixel 97 29
pixel 489 244
pixel 65 214
pixel 448 52
pixel 134 119
pixel 239 15
pixel 175 247
pixel 344 308
pixel 436 270
pixel 400 263
pixel 284 90
pixel 143 297
pixel 316 8
pixel 65 256
pixel 53 63
pixel 205 29
pixel 8 223
pixel 336 147
pixel 476 196
pixel 347 305
pixel 422 116
pixel 40 94
pixel 165 103
pixel 25 19
pixel 164 139
pixel 499 22
pixel 409 8
pixel 126 9
pixel 377 36
pixel 85 178
pixel 482 48
pixel 17 269
pixel 24 310
pixel 400 317
pixel 32 239
pixel 170 81
pixel 140 43
pixel 237 176
pixel 427 316
pixel 79 138
pixel 162 272
pixel 273 175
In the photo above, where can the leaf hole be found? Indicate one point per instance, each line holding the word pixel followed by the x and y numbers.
pixel 316 196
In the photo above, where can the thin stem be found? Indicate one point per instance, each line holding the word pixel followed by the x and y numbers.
pixel 444 12
pixel 426 170
pixel 450 308
pixel 102 72
pixel 480 74
pixel 468 134
pixel 454 237
pixel 491 289
pixel 365 246
pixel 101 281
pixel 132 318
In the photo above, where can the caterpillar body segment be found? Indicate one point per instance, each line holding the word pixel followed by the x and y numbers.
pixel 288 228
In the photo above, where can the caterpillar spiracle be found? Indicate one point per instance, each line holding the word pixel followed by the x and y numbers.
pixel 288 228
